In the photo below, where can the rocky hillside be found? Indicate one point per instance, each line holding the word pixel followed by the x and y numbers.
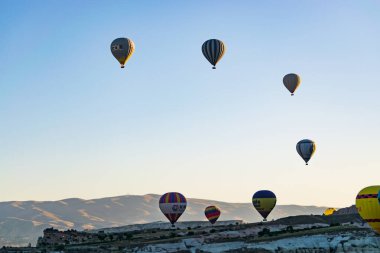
pixel 348 210
pixel 342 242
pixel 304 233
pixel 22 222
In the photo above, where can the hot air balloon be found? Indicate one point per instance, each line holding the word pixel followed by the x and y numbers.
pixel 264 202
pixel 212 214
pixel 291 82
pixel 329 211
pixel 213 50
pixel 306 149
pixel 122 49
pixel 172 205
pixel 368 206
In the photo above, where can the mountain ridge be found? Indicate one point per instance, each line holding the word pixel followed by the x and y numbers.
pixel 22 222
pixel 139 195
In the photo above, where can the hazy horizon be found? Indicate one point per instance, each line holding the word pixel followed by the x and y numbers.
pixel 73 124
pixel 156 194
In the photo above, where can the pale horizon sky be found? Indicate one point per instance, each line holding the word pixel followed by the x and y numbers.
pixel 73 124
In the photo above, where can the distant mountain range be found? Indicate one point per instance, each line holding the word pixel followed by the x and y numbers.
pixel 22 222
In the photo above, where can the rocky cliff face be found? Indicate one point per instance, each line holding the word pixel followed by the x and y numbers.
pixel 339 243
pixel 348 210
pixel 350 242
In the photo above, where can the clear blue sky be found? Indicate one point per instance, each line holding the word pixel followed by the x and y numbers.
pixel 73 124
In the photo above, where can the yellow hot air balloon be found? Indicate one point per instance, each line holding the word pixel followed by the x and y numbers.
pixel 329 211
pixel 368 206
pixel 264 201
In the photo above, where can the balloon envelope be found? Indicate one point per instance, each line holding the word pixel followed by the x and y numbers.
pixel 122 49
pixel 213 50
pixel 291 82
pixel 212 214
pixel 172 205
pixel 264 201
pixel 368 206
pixel 306 149
pixel 329 211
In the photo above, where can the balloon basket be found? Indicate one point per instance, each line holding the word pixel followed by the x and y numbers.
pixel 214 67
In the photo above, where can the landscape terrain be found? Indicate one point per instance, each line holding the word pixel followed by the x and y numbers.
pixel 133 223
pixel 22 222
pixel 304 233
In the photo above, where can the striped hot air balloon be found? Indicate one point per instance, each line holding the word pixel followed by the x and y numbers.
pixel 122 49
pixel 264 201
pixel 291 82
pixel 367 203
pixel 172 205
pixel 212 214
pixel 306 149
pixel 213 50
